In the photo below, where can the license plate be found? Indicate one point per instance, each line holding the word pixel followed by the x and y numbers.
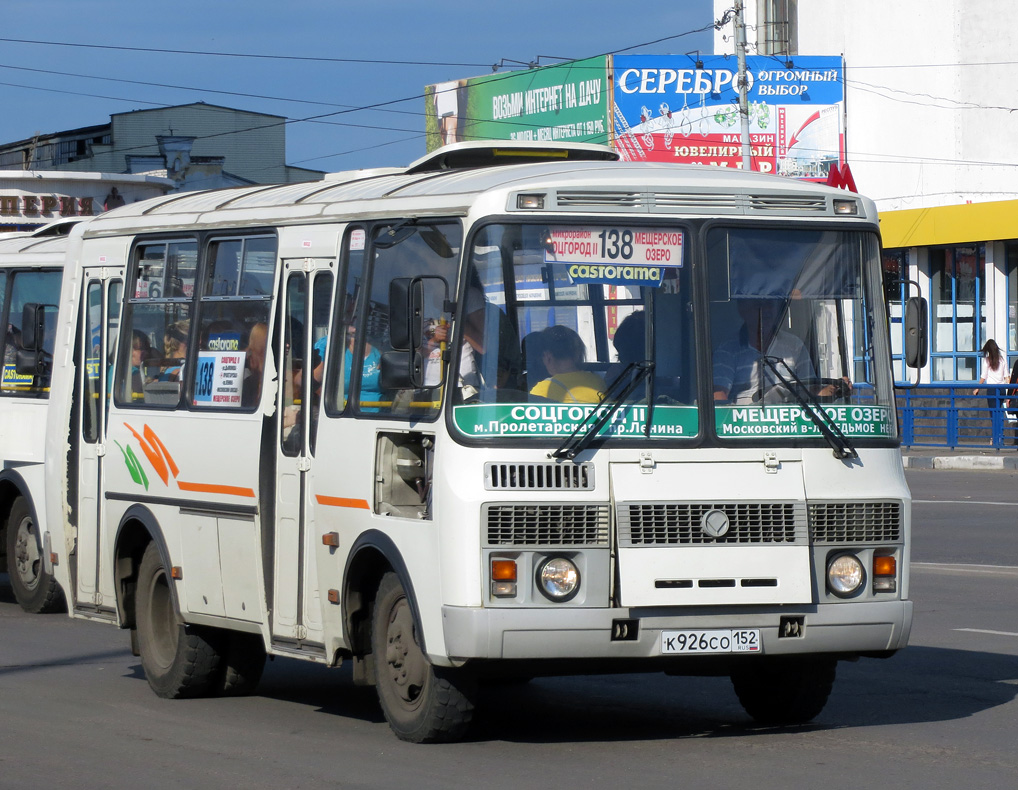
pixel 741 640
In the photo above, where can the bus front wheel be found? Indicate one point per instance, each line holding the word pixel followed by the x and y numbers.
pixel 35 589
pixel 179 660
pixel 422 703
pixel 784 691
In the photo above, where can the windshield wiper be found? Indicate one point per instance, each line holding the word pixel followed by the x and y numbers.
pixel 808 402
pixel 589 428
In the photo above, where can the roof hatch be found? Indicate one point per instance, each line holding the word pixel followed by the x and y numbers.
pixel 492 153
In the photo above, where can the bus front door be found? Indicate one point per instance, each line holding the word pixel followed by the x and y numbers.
pixel 101 305
pixel 296 603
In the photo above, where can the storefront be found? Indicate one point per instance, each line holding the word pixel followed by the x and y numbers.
pixel 32 198
pixel 964 259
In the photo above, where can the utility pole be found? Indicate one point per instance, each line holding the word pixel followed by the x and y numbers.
pixel 740 53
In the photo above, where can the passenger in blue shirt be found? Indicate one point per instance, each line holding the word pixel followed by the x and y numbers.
pixel 370 392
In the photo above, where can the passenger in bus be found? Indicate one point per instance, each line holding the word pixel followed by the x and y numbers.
pixel 490 358
pixel 141 353
pixel 371 397
pixel 12 345
pixel 175 350
pixel 742 377
pixel 563 353
pixel 254 365
pixel 630 343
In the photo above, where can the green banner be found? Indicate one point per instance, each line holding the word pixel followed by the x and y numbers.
pixel 559 420
pixel 567 102
pixel 793 421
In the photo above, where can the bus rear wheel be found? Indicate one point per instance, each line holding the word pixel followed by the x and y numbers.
pixel 784 691
pixel 422 703
pixel 35 589
pixel 179 660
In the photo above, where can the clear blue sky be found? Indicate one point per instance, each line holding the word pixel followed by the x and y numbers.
pixel 469 35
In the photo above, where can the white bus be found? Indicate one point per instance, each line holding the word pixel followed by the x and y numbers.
pixel 511 411
pixel 30 266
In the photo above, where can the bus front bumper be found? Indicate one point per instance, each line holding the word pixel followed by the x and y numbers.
pixel 572 633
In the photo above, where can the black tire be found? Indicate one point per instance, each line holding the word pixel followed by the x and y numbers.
pixel 35 589
pixel 421 702
pixel 179 660
pixel 784 691
pixel 243 664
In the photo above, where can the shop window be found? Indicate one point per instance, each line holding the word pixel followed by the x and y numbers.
pixel 958 308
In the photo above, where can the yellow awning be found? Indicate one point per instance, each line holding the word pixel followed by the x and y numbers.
pixel 970 222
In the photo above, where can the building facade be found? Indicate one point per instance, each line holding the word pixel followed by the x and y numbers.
pixel 30 199
pixel 197 146
pixel 930 108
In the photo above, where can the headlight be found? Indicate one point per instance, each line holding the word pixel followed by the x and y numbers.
pixel 845 575
pixel 558 579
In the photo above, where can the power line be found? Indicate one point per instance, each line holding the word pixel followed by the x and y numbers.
pixel 174 87
pixel 207 53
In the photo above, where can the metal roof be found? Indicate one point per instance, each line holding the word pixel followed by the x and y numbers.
pixel 612 185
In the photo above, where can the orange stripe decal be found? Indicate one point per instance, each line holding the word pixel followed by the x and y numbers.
pixel 210 488
pixel 152 453
pixel 338 501
pixel 151 436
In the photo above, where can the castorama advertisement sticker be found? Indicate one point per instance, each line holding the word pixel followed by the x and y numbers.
pixel 676 109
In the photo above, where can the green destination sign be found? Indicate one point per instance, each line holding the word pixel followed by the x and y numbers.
pixel 558 420
pixel 793 421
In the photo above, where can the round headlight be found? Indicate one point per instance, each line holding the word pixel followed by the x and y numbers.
pixel 845 575
pixel 558 579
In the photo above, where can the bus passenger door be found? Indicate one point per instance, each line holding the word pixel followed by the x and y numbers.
pixel 101 305
pixel 296 604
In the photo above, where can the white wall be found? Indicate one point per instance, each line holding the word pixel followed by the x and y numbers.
pixel 914 139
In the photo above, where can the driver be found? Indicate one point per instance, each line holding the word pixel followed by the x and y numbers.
pixel 740 375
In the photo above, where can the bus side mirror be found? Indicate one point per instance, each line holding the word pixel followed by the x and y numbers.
pixel 406 308
pixel 33 326
pixel 916 340
pixel 31 358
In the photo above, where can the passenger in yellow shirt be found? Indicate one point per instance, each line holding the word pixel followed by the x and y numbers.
pixel 562 353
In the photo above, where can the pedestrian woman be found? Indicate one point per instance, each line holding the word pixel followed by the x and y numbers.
pixel 994 372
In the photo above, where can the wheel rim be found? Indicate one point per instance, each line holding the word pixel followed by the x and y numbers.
pixel 164 630
pixel 27 558
pixel 406 665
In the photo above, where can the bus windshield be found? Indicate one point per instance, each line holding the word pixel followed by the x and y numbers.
pixel 797 334
pixel 554 315
pixel 556 319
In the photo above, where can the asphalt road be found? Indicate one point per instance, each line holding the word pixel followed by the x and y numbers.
pixel 76 711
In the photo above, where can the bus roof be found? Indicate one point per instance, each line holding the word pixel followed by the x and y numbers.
pixel 429 187
pixel 30 243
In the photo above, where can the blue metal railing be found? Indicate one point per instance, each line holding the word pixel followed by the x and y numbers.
pixel 935 415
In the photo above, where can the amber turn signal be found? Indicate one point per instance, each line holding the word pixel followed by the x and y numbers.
pixel 503 570
pixel 885 566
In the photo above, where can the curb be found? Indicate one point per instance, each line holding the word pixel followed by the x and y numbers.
pixel 969 462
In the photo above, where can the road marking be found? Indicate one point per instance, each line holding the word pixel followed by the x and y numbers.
pixel 961 502
pixel 986 631
pixel 956 567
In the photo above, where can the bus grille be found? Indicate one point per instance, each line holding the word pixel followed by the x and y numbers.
pixel 678 523
pixel 543 524
pixel 855 522
pixel 539 477
pixel 689 202
pixel 785 203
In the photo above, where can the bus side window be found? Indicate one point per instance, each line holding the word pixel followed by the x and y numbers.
pixel 431 251
pixel 26 287
pixel 158 307
pixel 344 323
pixel 233 312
